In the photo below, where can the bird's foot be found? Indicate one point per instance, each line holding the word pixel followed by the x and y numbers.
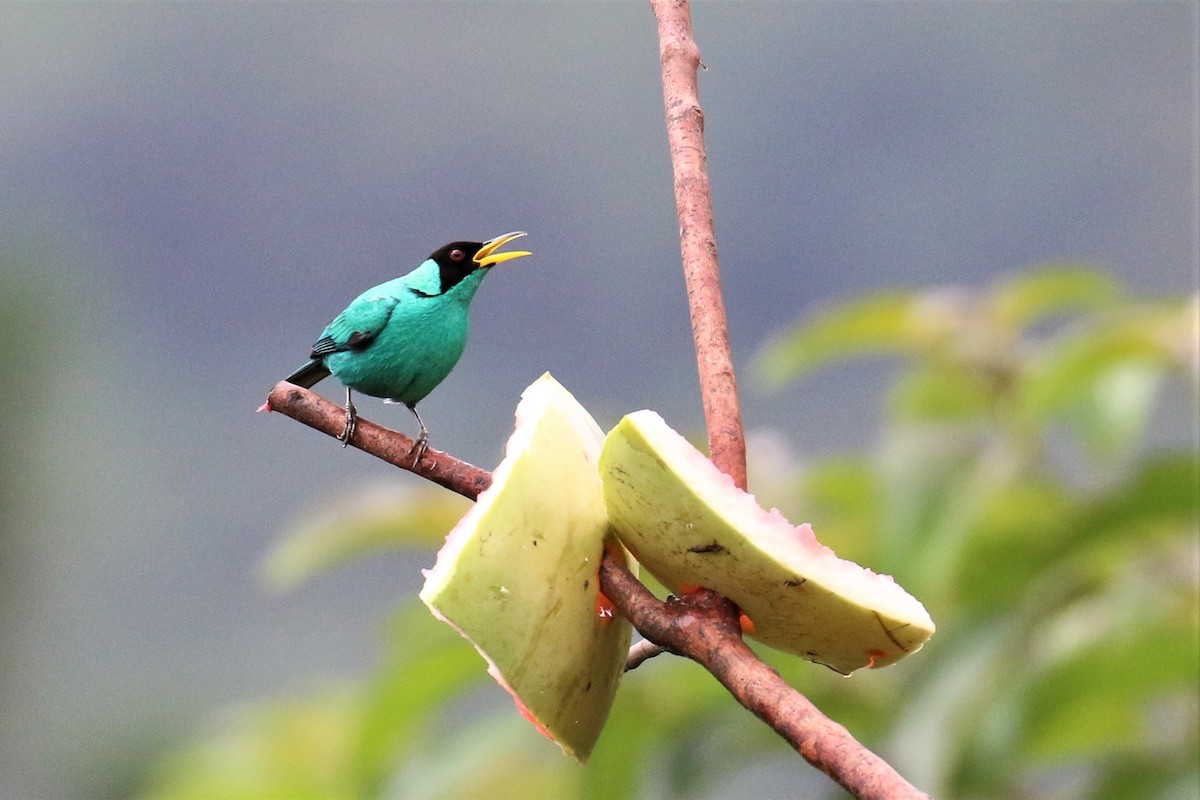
pixel 422 442
pixel 418 449
pixel 351 424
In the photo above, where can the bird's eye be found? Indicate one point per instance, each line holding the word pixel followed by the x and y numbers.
pixel 457 255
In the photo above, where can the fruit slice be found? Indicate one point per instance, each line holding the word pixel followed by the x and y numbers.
pixel 518 575
pixel 686 522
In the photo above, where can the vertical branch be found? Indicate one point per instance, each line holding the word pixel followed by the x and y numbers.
pixel 703 626
pixel 680 59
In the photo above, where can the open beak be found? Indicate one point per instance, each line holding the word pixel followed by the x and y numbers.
pixel 487 255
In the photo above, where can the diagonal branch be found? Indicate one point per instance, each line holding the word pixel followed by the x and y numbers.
pixel 702 626
pixel 395 448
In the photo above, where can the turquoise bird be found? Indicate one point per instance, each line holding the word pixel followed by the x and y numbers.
pixel 400 339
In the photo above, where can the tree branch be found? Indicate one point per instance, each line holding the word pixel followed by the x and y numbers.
pixel 641 652
pixel 395 448
pixel 680 58
pixel 703 625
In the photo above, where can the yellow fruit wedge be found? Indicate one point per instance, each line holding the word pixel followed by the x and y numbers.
pixel 688 524
pixel 519 574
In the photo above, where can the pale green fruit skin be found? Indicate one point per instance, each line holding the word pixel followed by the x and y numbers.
pixel 518 576
pixel 688 524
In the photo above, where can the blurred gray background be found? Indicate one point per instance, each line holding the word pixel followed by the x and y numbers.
pixel 189 192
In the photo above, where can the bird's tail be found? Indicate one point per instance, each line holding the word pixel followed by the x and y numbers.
pixel 309 375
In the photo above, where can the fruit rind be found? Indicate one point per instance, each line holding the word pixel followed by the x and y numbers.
pixel 518 575
pixel 689 525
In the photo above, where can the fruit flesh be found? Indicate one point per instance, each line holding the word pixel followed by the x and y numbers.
pixel 518 576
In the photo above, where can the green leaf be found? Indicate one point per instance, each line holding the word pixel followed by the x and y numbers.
pixel 935 480
pixel 484 756
pixel 1073 368
pixel 1162 776
pixel 1162 495
pixel 1111 417
pixel 661 710
pixel 1051 289
pixel 940 721
pixel 1102 697
pixel 841 498
pixel 1016 538
pixel 359 524
pixel 881 323
pixel 942 393
pixel 652 711
pixel 294 749
pixel 427 669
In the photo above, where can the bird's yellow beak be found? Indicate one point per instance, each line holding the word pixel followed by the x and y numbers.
pixel 487 255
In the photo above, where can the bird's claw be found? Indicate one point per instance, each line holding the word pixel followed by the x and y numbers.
pixel 419 447
pixel 351 424
pixel 422 442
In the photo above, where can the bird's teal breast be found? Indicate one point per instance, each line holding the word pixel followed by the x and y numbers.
pixel 415 351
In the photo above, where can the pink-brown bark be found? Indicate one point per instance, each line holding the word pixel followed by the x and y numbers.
pixel 680 59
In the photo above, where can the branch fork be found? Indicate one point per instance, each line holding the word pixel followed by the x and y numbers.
pixel 702 626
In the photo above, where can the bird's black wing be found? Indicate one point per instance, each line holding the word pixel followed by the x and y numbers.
pixel 356 327
pixel 357 340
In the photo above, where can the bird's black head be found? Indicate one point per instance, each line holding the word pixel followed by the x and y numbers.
pixel 457 260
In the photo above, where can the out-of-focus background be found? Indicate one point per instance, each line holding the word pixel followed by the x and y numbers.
pixel 189 192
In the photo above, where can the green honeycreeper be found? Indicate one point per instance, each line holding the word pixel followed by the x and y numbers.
pixel 400 339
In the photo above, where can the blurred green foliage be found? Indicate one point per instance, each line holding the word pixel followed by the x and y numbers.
pixel 1010 491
